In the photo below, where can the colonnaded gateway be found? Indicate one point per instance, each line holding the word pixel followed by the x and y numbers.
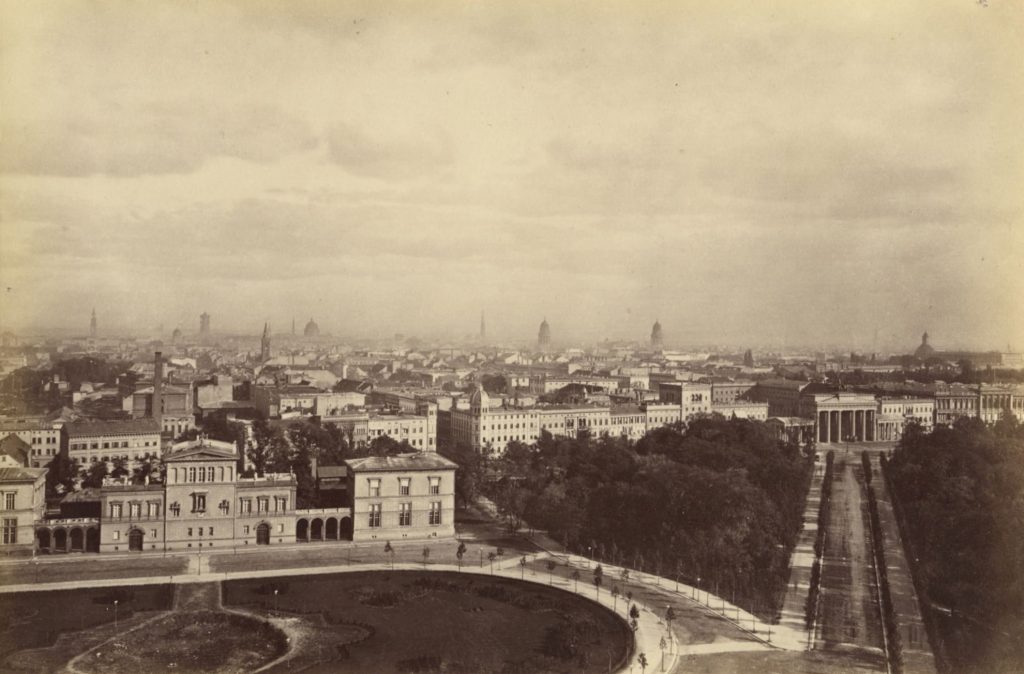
pixel 204 504
pixel 841 417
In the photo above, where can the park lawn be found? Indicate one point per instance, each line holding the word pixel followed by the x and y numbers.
pixel 191 641
pixel 426 622
pixel 36 619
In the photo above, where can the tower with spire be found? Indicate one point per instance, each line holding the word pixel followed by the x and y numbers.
pixel 92 324
pixel 544 335
pixel 657 340
pixel 265 344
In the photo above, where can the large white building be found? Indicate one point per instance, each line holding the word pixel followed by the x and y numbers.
pixel 894 413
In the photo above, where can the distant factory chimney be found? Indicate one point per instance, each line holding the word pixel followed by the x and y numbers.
pixel 92 324
pixel 158 389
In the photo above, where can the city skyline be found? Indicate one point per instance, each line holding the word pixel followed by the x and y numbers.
pixel 746 176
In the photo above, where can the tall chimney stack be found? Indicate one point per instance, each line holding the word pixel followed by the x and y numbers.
pixel 158 390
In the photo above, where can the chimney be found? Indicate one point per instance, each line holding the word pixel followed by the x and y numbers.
pixel 158 390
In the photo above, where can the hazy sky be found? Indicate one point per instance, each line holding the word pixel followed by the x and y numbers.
pixel 748 172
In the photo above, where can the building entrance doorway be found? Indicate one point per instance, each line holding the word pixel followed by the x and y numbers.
pixel 263 534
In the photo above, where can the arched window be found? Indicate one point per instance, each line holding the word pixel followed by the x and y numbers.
pixel 209 474
pixel 192 474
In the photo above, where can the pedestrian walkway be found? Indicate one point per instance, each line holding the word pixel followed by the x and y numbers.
pixel 795 601
pixel 917 653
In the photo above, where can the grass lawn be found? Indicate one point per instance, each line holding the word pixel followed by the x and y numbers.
pixel 36 619
pixel 433 622
pixel 194 641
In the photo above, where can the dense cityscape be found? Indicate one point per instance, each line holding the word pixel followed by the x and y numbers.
pixel 489 337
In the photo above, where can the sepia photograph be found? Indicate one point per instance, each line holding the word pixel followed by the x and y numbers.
pixel 512 337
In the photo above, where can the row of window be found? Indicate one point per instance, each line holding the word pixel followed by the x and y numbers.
pixel 48 440
pixel 404 485
pixel 202 474
pixel 198 506
pixel 113 444
pixel 404 514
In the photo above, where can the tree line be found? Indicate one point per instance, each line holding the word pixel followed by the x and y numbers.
pixel 959 494
pixel 717 503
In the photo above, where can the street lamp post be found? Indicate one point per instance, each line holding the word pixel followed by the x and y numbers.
pixel 115 616
pixel 275 600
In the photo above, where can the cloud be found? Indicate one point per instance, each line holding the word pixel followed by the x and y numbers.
pixel 388 155
pixel 152 138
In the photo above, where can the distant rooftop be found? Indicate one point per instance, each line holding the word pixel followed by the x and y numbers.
pixel 84 429
pixel 20 474
pixel 401 462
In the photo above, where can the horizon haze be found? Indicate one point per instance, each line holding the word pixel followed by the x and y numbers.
pixel 746 175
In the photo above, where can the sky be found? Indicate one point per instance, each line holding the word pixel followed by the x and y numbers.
pixel 764 174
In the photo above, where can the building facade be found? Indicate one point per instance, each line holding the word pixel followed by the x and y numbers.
pixel 89 442
pixel 22 503
pixel 42 437
pixel 404 496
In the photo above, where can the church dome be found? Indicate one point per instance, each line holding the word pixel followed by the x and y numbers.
pixel 925 350
pixel 312 329
pixel 544 334
pixel 656 336
pixel 480 400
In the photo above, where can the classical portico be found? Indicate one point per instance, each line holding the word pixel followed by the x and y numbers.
pixel 842 417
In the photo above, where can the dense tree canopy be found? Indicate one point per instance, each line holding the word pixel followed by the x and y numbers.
pixel 961 490
pixel 721 500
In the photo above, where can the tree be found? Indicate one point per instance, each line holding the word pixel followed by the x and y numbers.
pixel 268 444
pixel 460 553
pixel 120 467
pixel 551 564
pixel 576 580
pixel 61 474
pixel 642 659
pixel 94 476
pixel 490 558
pixel 598 579
pixel 522 567
pixel 615 598
pixel 624 575
pixel 390 551
pixel 426 554
pixel 634 612
pixel 511 502
pixel 468 475
pixel 670 616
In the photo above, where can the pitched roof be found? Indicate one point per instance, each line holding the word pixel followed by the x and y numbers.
pixel 21 474
pixel 16 448
pixel 84 429
pixel 202 450
pixel 401 462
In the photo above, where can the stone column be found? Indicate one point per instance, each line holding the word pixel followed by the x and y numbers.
pixel 864 426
